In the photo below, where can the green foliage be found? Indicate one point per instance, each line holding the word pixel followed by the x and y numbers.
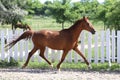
pixel 60 10
pixel 34 7
pixel 109 14
pixel 65 11
pixel 10 12
pixel 11 63
pixel 114 17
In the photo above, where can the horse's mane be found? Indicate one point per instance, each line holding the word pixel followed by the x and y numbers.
pixel 76 23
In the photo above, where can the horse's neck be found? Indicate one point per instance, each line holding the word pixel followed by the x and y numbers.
pixel 75 31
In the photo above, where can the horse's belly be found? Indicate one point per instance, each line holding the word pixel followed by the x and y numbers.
pixel 56 47
pixel 60 46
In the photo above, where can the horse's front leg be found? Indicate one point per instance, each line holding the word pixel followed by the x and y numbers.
pixel 80 53
pixel 62 59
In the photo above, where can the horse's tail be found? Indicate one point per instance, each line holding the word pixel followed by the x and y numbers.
pixel 26 35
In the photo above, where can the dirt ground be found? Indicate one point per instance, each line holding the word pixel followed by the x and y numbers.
pixel 49 74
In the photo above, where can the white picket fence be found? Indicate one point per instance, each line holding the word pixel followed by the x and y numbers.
pixel 101 47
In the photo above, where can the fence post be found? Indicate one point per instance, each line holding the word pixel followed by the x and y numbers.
pixel 70 56
pixel 16 47
pixel 82 44
pixel 113 46
pixel 89 47
pixel 75 57
pixel 21 50
pixel 39 57
pixel 46 52
pixel 96 48
pixel 108 46
pixel 56 55
pixel 7 38
pixel 32 58
pixel 118 46
pixel 10 39
pixel 2 45
pixel 59 55
pixel 52 55
pixel 102 46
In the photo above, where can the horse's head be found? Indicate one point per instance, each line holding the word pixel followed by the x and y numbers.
pixel 87 25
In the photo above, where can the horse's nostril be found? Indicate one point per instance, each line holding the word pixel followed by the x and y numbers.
pixel 93 32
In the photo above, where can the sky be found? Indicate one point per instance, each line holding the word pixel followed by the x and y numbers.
pixel 42 1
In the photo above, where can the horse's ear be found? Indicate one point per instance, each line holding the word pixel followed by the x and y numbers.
pixel 83 17
pixel 87 17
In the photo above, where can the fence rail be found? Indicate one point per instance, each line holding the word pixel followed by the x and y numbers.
pixel 101 47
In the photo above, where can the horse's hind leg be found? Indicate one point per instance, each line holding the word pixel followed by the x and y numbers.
pixel 29 56
pixel 42 50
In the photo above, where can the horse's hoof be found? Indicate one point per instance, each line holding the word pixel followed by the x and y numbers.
pixel 89 67
pixel 59 70
pixel 23 67
pixel 51 66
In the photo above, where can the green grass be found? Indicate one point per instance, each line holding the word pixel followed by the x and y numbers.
pixel 65 65
pixel 38 23
pixel 78 66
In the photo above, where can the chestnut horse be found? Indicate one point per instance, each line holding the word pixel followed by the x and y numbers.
pixel 65 40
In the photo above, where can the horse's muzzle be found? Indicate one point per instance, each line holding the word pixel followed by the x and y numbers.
pixel 93 31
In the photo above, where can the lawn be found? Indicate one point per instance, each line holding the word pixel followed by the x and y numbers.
pixel 39 23
pixel 65 65
pixel 79 66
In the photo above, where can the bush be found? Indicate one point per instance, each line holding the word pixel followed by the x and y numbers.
pixel 11 63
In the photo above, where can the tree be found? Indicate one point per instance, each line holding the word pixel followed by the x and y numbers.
pixel 34 7
pixel 62 11
pixel 89 8
pixel 109 14
pixel 10 13
pixel 76 11
pixel 2 7
pixel 113 17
